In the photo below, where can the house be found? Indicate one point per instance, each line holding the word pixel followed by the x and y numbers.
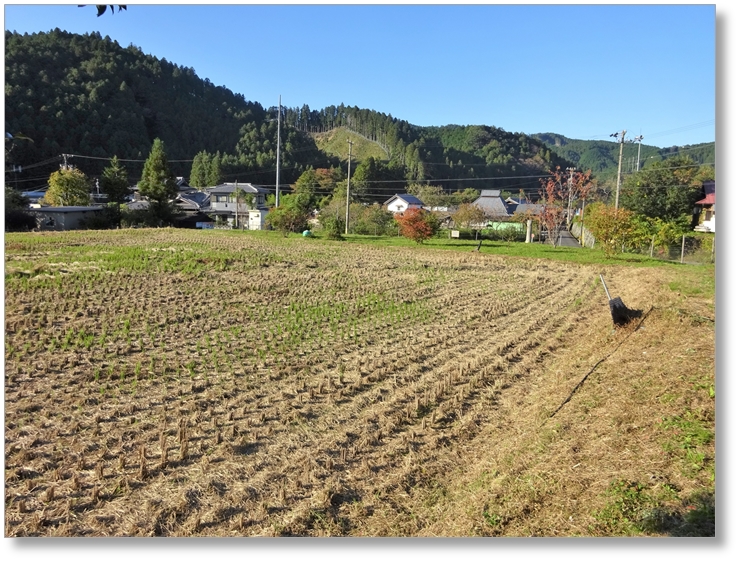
pixel 137 204
pixel 34 197
pixel 192 202
pixel 183 186
pixel 402 202
pixel 493 205
pixel 250 213
pixel 705 209
pixel 528 208
pixel 60 218
pixel 191 206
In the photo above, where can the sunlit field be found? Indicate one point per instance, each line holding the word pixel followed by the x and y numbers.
pixel 207 383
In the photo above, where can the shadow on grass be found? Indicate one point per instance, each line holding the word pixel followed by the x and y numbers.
pixel 698 521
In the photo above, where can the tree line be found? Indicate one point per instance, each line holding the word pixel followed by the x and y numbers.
pixel 89 96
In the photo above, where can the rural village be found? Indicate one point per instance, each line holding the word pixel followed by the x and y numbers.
pixel 230 320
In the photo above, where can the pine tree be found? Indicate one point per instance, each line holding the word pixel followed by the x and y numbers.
pixel 157 181
pixel 115 181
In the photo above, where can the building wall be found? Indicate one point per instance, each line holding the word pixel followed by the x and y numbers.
pixel 397 206
pixel 256 219
pixel 59 221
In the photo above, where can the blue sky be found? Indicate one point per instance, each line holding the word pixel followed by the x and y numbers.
pixel 584 71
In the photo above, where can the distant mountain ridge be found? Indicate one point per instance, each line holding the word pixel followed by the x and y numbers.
pixel 601 156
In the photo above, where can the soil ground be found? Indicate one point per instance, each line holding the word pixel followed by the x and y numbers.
pixel 188 383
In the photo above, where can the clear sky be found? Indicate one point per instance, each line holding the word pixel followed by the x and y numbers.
pixel 583 71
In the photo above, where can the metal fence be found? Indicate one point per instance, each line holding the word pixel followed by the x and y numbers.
pixel 693 249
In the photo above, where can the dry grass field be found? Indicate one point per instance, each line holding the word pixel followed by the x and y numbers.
pixel 195 383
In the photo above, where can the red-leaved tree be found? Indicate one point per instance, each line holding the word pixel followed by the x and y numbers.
pixel 558 192
pixel 417 224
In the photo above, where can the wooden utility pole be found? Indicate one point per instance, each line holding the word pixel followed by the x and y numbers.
pixel 348 182
pixel 569 196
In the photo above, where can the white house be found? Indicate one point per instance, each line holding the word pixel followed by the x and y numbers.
pixel 401 203
pixel 249 214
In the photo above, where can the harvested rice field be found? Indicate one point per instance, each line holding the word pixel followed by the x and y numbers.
pixel 209 383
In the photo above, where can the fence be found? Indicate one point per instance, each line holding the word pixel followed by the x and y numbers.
pixel 577 229
pixel 692 250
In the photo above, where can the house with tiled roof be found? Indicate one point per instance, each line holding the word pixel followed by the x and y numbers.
pixel 250 211
pixel 493 205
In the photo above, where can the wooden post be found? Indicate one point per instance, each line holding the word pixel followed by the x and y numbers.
pixel 682 251
pixel 528 231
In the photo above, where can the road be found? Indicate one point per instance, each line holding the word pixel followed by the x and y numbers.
pixel 566 239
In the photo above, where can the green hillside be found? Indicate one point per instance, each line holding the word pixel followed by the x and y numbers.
pixel 89 98
pixel 601 156
pixel 336 143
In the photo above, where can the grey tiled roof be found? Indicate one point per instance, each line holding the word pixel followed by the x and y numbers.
pixel 528 207
pixel 197 198
pixel 492 205
pixel 231 187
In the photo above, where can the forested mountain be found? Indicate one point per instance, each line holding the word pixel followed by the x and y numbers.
pixel 601 156
pixel 87 96
pixel 457 157
pixel 90 98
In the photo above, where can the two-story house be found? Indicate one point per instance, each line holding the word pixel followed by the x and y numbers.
pixel 250 211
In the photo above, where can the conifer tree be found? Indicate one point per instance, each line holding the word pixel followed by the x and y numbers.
pixel 114 181
pixel 214 171
pixel 157 181
pixel 200 170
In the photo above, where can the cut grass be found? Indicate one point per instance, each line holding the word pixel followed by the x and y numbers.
pixel 269 380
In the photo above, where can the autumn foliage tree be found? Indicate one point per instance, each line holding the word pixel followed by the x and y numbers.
pixel 68 187
pixel 558 192
pixel 417 224
pixel 469 216
pixel 612 227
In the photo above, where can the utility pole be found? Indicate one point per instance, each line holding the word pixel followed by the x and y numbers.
pixel 638 154
pixel 620 157
pixel 569 196
pixel 277 184
pixel 348 181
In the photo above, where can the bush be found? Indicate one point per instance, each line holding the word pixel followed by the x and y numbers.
pixel 106 220
pixel 17 220
pixel 332 226
pixel 611 227
pixel 156 216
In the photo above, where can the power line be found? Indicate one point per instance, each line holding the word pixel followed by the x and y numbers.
pixel 664 133
pixel 120 159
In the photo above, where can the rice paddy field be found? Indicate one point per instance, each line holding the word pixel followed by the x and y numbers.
pixel 210 383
